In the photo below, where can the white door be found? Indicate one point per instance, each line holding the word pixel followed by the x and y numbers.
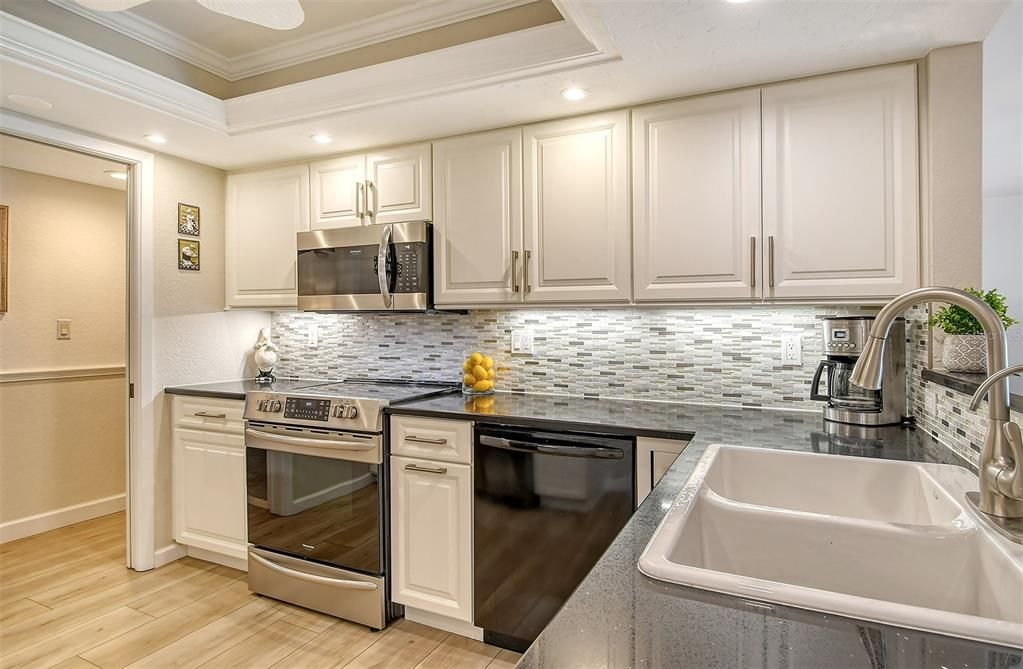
pixel 477 226
pixel 209 492
pixel 265 210
pixel 398 185
pixel 431 535
pixel 338 192
pixel 840 185
pixel 576 218
pixel 696 198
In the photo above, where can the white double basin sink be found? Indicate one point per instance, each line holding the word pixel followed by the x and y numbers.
pixel 878 540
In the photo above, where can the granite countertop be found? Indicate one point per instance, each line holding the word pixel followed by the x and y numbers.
pixel 236 389
pixel 620 618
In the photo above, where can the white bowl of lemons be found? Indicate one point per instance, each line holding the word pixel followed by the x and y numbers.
pixel 478 374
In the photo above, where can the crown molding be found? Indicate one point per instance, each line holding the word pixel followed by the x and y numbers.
pixel 419 17
pixel 27 44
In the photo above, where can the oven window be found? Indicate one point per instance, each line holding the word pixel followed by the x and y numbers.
pixel 349 270
pixel 318 508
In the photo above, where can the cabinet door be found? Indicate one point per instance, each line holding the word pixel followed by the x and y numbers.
pixel 478 218
pixel 264 212
pixel 577 210
pixel 399 185
pixel 337 192
pixel 209 492
pixel 696 198
pixel 431 534
pixel 840 185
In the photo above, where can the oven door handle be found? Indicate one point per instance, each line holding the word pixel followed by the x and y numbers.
pixel 332 444
pixel 312 578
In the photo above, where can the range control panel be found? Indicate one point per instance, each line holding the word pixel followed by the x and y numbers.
pixel 304 408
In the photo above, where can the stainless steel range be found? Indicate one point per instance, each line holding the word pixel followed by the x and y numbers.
pixel 316 470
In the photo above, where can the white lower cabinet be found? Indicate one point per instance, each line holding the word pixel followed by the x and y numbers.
pixel 208 477
pixel 431 536
pixel 653 459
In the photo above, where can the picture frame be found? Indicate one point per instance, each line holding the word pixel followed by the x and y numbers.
pixel 188 255
pixel 188 219
pixel 3 258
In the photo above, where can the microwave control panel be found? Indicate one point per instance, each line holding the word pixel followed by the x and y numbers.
pixel 413 267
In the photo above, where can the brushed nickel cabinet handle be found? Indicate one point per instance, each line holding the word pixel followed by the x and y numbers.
pixel 752 262
pixel 426 470
pixel 359 186
pixel 371 189
pixel 770 261
pixel 204 414
pixel 525 270
pixel 515 271
pixel 426 440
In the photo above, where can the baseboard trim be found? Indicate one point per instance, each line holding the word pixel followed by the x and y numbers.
pixel 440 622
pixel 241 564
pixel 169 553
pixel 69 515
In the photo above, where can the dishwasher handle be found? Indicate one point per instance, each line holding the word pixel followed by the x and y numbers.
pixel 570 451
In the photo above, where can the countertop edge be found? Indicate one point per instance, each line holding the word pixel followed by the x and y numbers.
pixel 198 392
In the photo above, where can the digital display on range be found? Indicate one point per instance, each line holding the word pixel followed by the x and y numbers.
pixel 306 409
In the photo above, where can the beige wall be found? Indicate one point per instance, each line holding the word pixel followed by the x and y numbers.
pixel 196 340
pixel 61 441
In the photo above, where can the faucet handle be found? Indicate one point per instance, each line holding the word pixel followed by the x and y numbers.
pixel 1011 478
pixel 990 381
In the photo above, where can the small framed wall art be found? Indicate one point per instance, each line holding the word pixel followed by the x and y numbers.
pixel 188 219
pixel 188 254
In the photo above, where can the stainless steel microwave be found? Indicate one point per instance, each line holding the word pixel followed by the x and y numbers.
pixel 370 268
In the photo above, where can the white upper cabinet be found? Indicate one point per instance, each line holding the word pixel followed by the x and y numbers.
pixel 338 192
pixel 398 185
pixel 696 198
pixel 840 185
pixel 265 210
pixel 477 195
pixel 576 218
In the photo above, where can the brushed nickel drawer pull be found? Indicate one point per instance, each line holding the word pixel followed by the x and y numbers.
pixel 426 470
pixel 205 414
pixel 426 440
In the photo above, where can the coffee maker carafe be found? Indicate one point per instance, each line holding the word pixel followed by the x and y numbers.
pixel 844 338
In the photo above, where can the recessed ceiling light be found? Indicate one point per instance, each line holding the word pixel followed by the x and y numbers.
pixel 322 138
pixel 574 93
pixel 156 139
pixel 120 176
pixel 29 102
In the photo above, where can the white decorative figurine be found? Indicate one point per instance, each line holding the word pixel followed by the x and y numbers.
pixel 265 356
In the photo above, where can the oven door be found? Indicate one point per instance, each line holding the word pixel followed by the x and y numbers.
pixel 372 268
pixel 316 495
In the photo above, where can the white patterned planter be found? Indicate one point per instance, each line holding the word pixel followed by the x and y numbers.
pixel 965 353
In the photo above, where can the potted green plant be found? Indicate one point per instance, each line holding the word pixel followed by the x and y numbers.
pixel 965 346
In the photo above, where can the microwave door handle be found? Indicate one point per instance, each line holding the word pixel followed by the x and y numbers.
pixel 383 262
pixel 546 449
pixel 312 578
pixel 815 384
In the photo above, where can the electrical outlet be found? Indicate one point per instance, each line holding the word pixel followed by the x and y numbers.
pixel 522 342
pixel 791 349
pixel 313 335
pixel 931 403
pixel 63 328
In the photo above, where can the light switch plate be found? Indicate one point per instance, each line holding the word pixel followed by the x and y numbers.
pixel 63 328
pixel 313 335
pixel 791 349
pixel 522 342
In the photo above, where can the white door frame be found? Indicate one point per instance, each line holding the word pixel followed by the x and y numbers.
pixel 140 448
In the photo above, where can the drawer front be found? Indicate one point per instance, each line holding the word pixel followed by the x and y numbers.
pixel 209 414
pixel 447 440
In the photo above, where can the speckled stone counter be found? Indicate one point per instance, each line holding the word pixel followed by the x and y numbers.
pixel 235 390
pixel 622 619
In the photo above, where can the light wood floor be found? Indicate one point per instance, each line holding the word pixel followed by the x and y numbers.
pixel 68 601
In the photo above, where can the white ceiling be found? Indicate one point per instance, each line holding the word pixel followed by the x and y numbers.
pixel 29 156
pixel 650 51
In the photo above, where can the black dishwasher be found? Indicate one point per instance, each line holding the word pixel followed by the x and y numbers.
pixel 546 506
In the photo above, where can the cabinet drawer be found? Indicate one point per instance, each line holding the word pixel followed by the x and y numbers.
pixel 448 440
pixel 209 414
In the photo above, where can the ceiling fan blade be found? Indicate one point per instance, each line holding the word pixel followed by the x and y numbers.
pixel 110 5
pixel 274 14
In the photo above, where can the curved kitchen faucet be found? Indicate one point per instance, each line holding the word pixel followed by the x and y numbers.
pixel 1001 461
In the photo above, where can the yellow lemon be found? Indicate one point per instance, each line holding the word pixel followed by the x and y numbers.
pixel 476 358
pixel 469 379
pixel 490 374
pixel 482 386
pixel 479 373
pixel 488 362
pixel 468 366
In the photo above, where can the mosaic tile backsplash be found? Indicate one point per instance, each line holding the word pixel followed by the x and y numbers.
pixel 703 355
